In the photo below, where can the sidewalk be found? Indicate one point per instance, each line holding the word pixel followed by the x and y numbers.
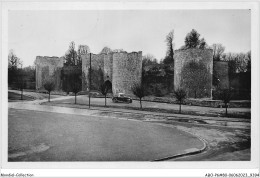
pixel 132 114
pixel 166 108
pixel 39 97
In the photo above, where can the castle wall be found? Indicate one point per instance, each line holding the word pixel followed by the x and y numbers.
pixel 200 56
pixel 122 69
pixel 48 67
pixel 220 71
pixel 127 71
pixel 97 62
pixel 108 67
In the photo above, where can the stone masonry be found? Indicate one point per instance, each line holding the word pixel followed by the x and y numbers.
pixel 182 57
pixel 48 67
pixel 97 61
pixel 122 69
pixel 127 71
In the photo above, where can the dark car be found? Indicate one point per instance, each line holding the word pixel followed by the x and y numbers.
pixel 121 97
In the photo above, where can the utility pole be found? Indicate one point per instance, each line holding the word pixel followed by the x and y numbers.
pixel 21 86
pixel 89 80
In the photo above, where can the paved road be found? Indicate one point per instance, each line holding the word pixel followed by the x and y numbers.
pixel 130 114
pixel 197 109
pixel 45 136
pixel 83 100
pixel 227 138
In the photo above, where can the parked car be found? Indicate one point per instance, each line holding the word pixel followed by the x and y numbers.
pixel 95 94
pixel 121 97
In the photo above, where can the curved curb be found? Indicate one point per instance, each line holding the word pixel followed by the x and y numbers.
pixel 186 152
pixel 190 151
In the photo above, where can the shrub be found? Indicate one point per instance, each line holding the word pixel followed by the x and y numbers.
pixel 139 91
pixel 180 95
pixel 225 95
pixel 49 85
pixel 104 88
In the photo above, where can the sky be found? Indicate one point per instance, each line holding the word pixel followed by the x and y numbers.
pixel 49 33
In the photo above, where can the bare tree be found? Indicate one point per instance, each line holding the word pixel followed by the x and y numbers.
pixel 218 50
pixel 105 50
pixel 19 81
pixel 238 62
pixel 169 59
pixel 104 90
pixel 76 88
pixel 15 72
pixel 139 91
pixel 225 95
pixel 242 60
pixel 82 50
pixel 180 95
pixel 13 60
pixel 49 85
pixel 249 62
pixel 148 59
pixel 118 50
pixel 71 57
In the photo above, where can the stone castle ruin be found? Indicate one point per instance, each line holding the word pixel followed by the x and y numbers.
pixel 121 70
pixel 193 69
pixel 47 67
pixel 197 73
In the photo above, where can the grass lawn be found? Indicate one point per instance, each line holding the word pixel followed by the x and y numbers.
pixel 15 96
pixel 82 102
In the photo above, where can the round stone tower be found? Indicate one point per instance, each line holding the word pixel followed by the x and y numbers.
pixel 185 61
pixel 127 71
